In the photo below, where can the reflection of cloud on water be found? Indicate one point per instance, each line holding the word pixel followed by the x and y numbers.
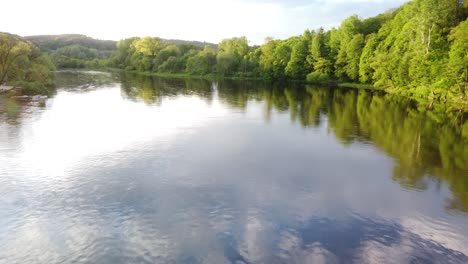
pixel 179 223
pixel 291 249
pixel 410 248
pixel 437 231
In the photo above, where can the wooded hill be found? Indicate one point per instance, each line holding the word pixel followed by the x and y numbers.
pixel 80 51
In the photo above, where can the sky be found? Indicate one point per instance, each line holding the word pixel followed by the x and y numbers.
pixel 202 20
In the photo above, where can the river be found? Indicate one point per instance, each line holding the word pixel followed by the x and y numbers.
pixel 118 168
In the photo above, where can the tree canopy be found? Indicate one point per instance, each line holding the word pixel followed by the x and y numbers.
pixel 22 64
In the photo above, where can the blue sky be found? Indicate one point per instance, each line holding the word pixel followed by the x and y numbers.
pixel 203 20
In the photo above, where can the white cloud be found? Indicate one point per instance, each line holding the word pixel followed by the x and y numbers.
pixel 204 20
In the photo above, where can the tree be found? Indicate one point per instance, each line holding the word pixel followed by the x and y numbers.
pixel 349 28
pixel 203 62
pixel 237 46
pixel 318 48
pixel 121 57
pixel 464 8
pixel 12 50
pixel 458 60
pixel 365 70
pixel 148 46
pixel 281 57
pixel 226 63
pixel 232 55
pixel 353 54
pixel 433 16
pixel 298 67
pixel 165 54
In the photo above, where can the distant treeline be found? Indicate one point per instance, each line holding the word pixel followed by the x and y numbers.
pixel 79 51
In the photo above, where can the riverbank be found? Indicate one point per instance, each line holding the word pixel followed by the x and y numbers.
pixel 29 89
pixel 422 95
pixel 7 88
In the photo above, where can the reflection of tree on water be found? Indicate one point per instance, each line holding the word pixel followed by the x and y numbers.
pixel 151 89
pixel 421 145
pixel 84 80
pixel 423 142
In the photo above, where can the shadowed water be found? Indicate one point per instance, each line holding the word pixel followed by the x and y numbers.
pixel 133 169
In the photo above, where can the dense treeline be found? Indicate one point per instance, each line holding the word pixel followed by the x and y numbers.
pixel 419 49
pixel 23 65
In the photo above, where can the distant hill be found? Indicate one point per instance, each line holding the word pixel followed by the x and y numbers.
pixel 188 42
pixel 49 43
pixel 79 51
pixel 54 42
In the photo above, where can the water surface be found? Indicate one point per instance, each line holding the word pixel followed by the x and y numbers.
pixel 133 169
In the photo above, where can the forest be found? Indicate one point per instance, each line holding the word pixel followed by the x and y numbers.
pixel 418 50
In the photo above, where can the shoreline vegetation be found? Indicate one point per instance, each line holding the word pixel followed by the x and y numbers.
pixel 24 69
pixel 418 50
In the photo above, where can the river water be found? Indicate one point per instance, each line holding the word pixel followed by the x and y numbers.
pixel 117 168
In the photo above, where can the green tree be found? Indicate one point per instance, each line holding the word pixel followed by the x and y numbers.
pixel 318 48
pixel 165 54
pixel 458 62
pixel 232 55
pixel 202 63
pixel 237 46
pixel 148 46
pixel 298 67
pixel 365 70
pixel 12 50
pixel 121 57
pixel 349 28
pixel 353 54
pixel 227 63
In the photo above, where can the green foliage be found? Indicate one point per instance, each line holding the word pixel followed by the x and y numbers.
pixel 232 55
pixel 365 70
pixel 148 46
pixel 22 65
pixel 273 59
pixel 226 63
pixel 318 48
pixel 202 63
pixel 353 54
pixel 458 57
pixel 298 66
